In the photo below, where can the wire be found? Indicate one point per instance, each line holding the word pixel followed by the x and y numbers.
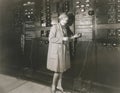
pixel 83 67
pixel 85 59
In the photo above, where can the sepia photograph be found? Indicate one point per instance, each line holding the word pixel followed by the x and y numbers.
pixel 59 46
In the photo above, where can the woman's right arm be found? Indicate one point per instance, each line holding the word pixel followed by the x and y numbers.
pixel 52 36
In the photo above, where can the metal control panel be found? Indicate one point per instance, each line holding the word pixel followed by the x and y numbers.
pixel 29 20
pixel 84 11
pixel 108 22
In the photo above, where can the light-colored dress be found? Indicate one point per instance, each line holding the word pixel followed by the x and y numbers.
pixel 58 59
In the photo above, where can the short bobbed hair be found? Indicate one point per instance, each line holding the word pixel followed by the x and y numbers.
pixel 63 16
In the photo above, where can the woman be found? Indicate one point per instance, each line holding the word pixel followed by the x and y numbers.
pixel 58 52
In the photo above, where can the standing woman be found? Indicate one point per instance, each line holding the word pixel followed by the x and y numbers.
pixel 58 59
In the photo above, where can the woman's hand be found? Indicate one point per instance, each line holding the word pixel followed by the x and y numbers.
pixel 65 38
pixel 77 35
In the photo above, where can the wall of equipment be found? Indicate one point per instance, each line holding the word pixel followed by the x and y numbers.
pixel 94 56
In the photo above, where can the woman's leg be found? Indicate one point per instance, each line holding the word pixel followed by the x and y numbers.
pixel 54 82
pixel 59 85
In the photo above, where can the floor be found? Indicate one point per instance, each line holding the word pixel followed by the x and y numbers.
pixel 10 84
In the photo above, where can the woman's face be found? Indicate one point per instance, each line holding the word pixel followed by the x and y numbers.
pixel 64 21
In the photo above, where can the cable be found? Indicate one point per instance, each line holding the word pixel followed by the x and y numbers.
pixel 83 67
pixel 85 59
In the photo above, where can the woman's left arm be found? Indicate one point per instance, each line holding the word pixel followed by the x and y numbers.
pixel 78 35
